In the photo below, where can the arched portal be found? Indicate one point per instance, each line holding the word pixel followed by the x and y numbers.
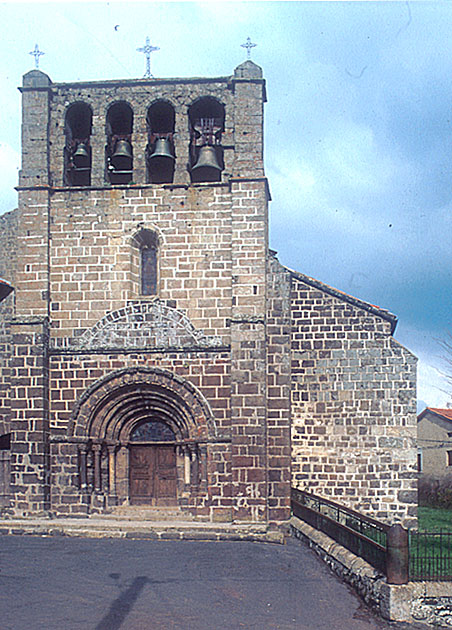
pixel 145 434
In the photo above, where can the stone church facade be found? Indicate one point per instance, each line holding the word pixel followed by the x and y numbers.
pixel 154 350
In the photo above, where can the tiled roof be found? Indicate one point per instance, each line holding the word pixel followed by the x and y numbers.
pixel 445 413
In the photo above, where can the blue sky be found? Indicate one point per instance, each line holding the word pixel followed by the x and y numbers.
pixel 358 131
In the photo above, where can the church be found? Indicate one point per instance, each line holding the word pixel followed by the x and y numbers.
pixel 154 351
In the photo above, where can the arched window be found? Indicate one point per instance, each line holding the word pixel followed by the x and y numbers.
pixel 160 155
pixel 119 149
pixel 206 118
pixel 146 242
pixel 77 150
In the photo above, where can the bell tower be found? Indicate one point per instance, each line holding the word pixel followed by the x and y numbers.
pixel 143 286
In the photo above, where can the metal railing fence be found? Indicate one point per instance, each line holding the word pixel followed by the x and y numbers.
pixel 400 554
pixel 362 535
pixel 430 555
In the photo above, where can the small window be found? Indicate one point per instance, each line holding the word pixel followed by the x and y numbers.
pixel 449 458
pixel 147 243
pixel 419 461
pixel 148 271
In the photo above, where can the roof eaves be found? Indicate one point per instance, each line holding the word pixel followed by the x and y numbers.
pixel 445 414
pixel 371 308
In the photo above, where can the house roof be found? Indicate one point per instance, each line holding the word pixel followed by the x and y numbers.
pixel 5 288
pixel 443 413
pixel 371 308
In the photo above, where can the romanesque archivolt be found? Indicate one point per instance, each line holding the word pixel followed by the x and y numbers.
pixel 144 326
pixel 115 405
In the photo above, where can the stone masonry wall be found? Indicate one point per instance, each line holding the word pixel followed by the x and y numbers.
pixel 241 139
pixel 8 257
pixel 92 252
pixel 353 405
pixel 29 417
pixel 73 375
pixel 278 390
pixel 8 264
pixel 248 350
pixel 78 266
pixel 5 376
pixel 8 245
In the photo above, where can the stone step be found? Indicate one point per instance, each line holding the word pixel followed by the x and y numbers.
pixel 110 528
pixel 148 513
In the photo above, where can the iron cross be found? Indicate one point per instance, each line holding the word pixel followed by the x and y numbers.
pixel 36 54
pixel 147 49
pixel 248 47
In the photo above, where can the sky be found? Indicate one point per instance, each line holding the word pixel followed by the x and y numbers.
pixel 358 130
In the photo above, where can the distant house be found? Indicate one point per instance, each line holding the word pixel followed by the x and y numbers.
pixel 434 430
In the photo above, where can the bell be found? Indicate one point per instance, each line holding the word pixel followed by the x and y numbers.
pixel 162 150
pixel 161 162
pixel 121 160
pixel 80 157
pixel 206 168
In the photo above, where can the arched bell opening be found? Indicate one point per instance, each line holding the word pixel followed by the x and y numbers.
pixel 77 150
pixel 160 153
pixel 119 151
pixel 206 118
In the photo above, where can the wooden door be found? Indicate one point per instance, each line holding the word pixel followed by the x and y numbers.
pixel 152 475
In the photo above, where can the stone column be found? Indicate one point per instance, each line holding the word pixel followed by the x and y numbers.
pixel 111 469
pixel 122 473
pixel 97 448
pixel 187 463
pixel 202 454
pixel 194 455
pixel 83 453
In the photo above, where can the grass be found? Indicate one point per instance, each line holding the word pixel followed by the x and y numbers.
pixel 435 519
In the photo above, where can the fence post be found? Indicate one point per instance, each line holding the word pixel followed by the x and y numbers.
pixel 397 555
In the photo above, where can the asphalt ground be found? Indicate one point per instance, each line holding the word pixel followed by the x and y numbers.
pixel 58 583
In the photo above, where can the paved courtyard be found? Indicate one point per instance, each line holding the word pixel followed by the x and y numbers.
pixel 91 584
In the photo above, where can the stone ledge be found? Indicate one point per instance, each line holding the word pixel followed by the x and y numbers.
pixel 100 528
pixel 424 602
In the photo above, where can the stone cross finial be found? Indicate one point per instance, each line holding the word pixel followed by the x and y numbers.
pixel 248 45
pixel 147 49
pixel 36 54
